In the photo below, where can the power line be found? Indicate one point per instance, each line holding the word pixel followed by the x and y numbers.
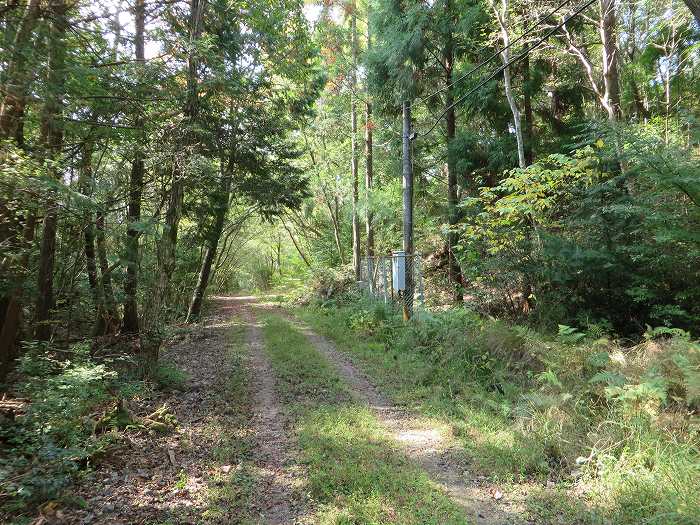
pixel 494 55
pixel 512 61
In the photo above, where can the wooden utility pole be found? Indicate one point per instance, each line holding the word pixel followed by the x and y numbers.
pixel 369 172
pixel 407 170
pixel 353 162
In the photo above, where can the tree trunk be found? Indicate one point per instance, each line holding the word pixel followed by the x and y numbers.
pixel 15 80
pixel 94 280
pixel 52 141
pixel 168 244
pixel 369 167
pixel 130 321
pixel 529 118
pixel 407 180
pixel 454 271
pixel 642 111
pixel 195 308
pixel 111 315
pixel 611 80
pixel 607 91
pixel 296 245
pixel 694 6
pixel 221 208
pixel 502 17
pixel 278 254
pixel 8 333
pixel 86 186
pixel 11 307
pixel 353 154
pixel 333 211
pixel 16 76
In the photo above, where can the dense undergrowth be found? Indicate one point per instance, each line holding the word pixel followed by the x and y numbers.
pixel 610 431
pixel 77 409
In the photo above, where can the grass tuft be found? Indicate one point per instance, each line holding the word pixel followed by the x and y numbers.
pixel 304 376
pixel 360 476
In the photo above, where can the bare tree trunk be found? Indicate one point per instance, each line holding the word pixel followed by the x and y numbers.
pixel 353 160
pixel 130 321
pixel 94 279
pixel 642 112
pixel 407 182
pixel 453 269
pixel 607 91
pixel 333 211
pixel 296 245
pixel 16 75
pixel 167 246
pixel 502 17
pixel 14 89
pixel 52 141
pixel 611 80
pixel 529 118
pixel 11 307
pixel 369 167
pixel 335 221
pixel 669 47
pixel 200 288
pixel 221 208
pixel 12 316
pixel 111 315
pixel 168 243
pixel 86 186
pixel 278 254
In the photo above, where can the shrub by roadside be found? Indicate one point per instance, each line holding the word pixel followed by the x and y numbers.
pixel 75 411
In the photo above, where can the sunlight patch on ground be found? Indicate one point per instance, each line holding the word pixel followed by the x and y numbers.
pixel 423 436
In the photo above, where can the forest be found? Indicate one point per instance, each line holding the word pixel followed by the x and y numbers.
pixel 350 261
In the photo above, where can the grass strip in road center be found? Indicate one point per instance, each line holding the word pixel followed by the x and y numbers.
pixel 304 377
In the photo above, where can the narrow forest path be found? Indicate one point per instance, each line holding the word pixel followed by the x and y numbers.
pixel 427 443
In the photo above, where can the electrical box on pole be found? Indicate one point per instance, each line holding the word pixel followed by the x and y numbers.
pixel 398 266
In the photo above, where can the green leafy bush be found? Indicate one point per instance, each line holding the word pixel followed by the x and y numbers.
pixel 596 237
pixel 56 437
pixel 168 376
